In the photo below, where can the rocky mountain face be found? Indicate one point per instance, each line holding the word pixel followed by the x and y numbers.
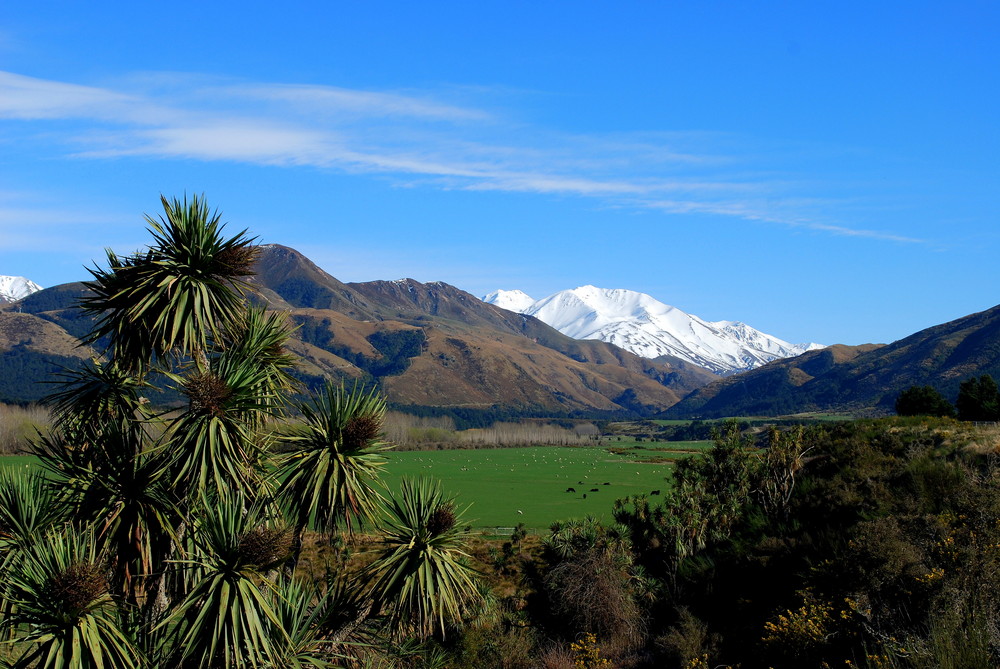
pixel 649 328
pixel 865 378
pixel 425 344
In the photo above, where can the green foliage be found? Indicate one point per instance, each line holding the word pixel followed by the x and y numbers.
pixel 227 617
pixel 174 296
pixel 214 437
pixel 24 373
pixel 923 401
pixel 397 348
pixel 62 608
pixel 301 610
pixel 113 479
pixel 179 539
pixel 420 576
pixel 330 468
pixel 979 399
pixel 708 498
pixel 592 584
pixel 27 511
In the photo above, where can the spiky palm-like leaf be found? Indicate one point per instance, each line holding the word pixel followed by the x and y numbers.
pixel 331 474
pixel 215 438
pixel 420 577
pixel 302 611
pixel 227 618
pixel 121 486
pixel 175 295
pixel 99 393
pixel 97 403
pixel 27 511
pixel 63 607
pixel 27 507
pixel 261 336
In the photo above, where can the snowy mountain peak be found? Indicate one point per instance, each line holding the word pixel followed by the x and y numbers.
pixel 14 288
pixel 512 300
pixel 647 327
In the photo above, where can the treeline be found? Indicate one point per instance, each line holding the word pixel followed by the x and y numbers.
pixel 978 400
pixel 466 418
pixel 396 348
pixel 408 432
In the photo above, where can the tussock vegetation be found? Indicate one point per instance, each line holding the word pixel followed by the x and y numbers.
pixel 18 424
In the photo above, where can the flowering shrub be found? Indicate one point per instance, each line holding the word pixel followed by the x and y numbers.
pixel 588 654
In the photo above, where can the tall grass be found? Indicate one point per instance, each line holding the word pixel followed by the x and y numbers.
pixel 20 423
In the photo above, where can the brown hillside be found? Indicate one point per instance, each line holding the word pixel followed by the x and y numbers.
pixel 858 378
pixel 427 344
pixel 33 333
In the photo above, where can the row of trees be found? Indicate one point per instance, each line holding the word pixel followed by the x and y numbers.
pixel 176 539
pixel 978 400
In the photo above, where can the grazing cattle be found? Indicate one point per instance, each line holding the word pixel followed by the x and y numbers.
pixel 606 483
pixel 655 492
pixel 570 489
pixel 593 490
pixel 585 495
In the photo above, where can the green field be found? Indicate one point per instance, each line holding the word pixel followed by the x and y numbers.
pixel 500 482
pixel 497 483
pixel 652 452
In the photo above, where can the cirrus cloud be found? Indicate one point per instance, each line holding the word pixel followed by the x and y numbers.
pixel 413 138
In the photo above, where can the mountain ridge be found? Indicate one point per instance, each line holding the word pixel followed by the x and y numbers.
pixel 649 328
pixel 865 379
pixel 425 344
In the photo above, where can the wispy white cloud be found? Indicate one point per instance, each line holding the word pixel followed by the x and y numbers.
pixel 27 98
pixel 409 136
pixel 770 214
pixel 343 102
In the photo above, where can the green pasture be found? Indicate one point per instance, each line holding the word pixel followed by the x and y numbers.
pixel 22 461
pixel 646 451
pixel 497 483
pixel 500 483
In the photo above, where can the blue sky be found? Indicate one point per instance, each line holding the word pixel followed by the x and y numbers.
pixel 823 171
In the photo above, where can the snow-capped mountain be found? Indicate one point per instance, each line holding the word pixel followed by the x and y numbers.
pixel 14 288
pixel 511 300
pixel 647 327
